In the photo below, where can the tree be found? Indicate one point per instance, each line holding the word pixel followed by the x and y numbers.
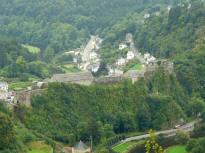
pixel 6 131
pixel 108 130
pixel 196 106
pixel 102 69
pixel 152 145
pixel 48 54
pixel 95 129
pixel 144 119
pixel 190 145
pixel 71 139
pixel 182 137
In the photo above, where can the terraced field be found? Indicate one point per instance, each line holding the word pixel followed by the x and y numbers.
pixel 177 149
pixel 123 147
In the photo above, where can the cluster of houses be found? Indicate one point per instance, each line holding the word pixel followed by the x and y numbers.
pixel 130 54
pixel 78 148
pixel 86 57
pixel 5 95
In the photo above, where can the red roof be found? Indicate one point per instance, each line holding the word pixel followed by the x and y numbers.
pixel 68 148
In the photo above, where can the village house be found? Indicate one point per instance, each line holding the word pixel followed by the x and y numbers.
pixel 129 37
pixel 70 52
pixel 146 15
pixel 78 148
pixel 93 67
pixel 93 55
pixel 122 46
pixel 146 56
pixel 151 59
pixel 121 61
pixel 169 8
pixel 157 13
pixel 130 55
pixel 114 71
pixel 4 86
pixel 67 150
pixel 77 59
pixel 3 91
pixel 3 95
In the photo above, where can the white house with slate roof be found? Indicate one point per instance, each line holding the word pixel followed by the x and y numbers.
pixel 121 61
pixel 130 55
pixel 3 91
pixel 81 148
pixel 4 86
pixel 122 46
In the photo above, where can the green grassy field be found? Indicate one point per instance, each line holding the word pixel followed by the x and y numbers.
pixel 137 67
pixel 38 151
pixel 70 69
pixel 19 85
pixel 32 49
pixel 123 147
pixel 40 147
pixel 177 149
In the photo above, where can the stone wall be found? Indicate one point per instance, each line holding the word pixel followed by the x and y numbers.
pixel 24 97
pixel 109 80
pixel 152 67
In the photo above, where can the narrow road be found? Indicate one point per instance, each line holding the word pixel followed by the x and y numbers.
pixel 186 127
pixel 137 54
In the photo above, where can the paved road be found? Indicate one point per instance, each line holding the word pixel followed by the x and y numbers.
pixel 186 127
pixel 137 54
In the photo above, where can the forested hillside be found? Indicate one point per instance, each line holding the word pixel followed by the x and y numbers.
pixel 103 111
pixel 177 35
pixel 66 24
pixel 17 62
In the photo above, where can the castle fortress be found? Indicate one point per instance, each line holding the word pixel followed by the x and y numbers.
pixel 86 78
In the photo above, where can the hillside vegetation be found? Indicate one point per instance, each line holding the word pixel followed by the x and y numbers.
pixel 103 111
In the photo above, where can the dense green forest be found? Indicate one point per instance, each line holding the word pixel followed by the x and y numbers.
pixel 58 26
pixel 66 24
pixel 17 62
pixel 177 35
pixel 103 111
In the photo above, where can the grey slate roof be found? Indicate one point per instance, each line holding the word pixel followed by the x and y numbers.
pixel 71 77
pixel 81 146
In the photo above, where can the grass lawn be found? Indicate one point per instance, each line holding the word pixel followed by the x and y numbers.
pixel 19 85
pixel 40 147
pixel 38 151
pixel 123 147
pixel 177 149
pixel 70 69
pixel 137 67
pixel 32 49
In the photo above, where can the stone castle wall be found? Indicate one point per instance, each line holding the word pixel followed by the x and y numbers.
pixel 109 80
pixel 24 97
